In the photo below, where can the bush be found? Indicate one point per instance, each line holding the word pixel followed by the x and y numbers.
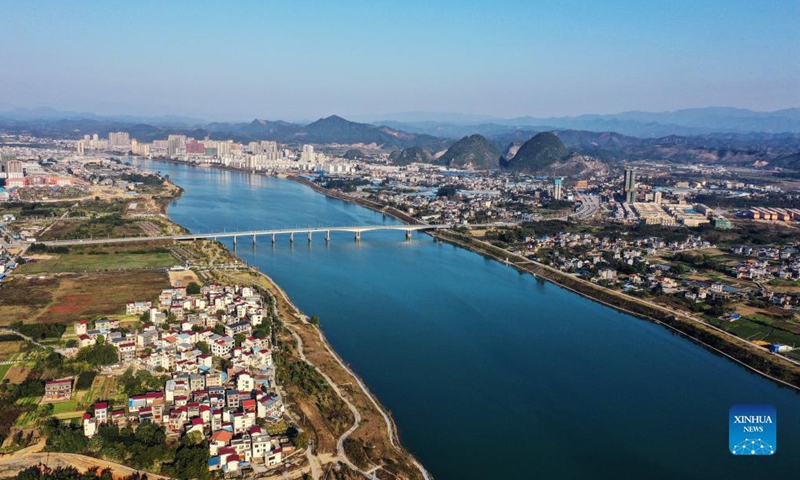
pixel 85 380
pixel 98 354
pixel 40 331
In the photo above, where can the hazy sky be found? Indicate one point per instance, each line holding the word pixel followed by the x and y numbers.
pixel 306 59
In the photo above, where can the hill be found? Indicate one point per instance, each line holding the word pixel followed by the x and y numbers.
pixel 410 155
pixel 335 129
pixel 473 152
pixel 541 151
pixel 354 154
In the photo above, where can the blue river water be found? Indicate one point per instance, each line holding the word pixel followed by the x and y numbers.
pixel 490 373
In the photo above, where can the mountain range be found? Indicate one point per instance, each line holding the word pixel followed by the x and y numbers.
pixel 693 121
pixel 738 148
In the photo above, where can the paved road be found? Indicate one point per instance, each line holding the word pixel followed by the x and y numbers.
pixel 14 332
pixel 341 456
pixel 590 204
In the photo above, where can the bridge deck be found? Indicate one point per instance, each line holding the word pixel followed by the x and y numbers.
pixel 248 233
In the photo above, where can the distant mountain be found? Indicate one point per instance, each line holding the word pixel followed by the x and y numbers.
pixel 538 153
pixel 686 122
pixel 332 129
pixel 47 113
pixel 726 148
pixel 791 162
pixel 473 152
pixel 410 155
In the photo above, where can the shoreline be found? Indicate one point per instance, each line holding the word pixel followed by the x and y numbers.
pixel 740 351
pixel 391 427
pixel 390 424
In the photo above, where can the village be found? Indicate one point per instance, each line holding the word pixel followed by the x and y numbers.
pixel 213 349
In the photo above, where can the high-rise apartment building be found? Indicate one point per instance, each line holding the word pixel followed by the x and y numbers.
pixel 119 139
pixel 307 156
pixel 14 169
pixel 142 149
pixel 557 192
pixel 176 144
pixel 629 187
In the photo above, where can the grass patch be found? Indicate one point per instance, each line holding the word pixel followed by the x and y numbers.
pixel 4 369
pixel 65 407
pixel 80 296
pixel 78 262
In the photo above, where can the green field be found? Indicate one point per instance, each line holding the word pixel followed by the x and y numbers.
pixel 757 330
pixel 4 369
pixel 79 262
pixel 65 407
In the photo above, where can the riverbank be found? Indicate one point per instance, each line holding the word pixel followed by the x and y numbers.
pixel 368 446
pixel 384 209
pixel 373 438
pixel 753 357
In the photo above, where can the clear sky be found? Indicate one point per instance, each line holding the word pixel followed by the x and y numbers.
pixel 306 59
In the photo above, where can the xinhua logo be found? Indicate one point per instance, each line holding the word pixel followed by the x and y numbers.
pixel 752 430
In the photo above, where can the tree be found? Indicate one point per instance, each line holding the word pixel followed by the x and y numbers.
pixel 98 354
pixel 203 347
pixel 301 440
pixel 447 191
pixel 193 288
pixel 314 320
pixel 144 317
pixel 139 382
pixel 191 460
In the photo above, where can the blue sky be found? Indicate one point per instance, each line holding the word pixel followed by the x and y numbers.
pixel 304 60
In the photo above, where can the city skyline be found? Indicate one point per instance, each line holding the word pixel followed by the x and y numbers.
pixel 301 62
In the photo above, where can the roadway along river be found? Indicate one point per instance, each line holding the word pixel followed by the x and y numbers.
pixel 490 373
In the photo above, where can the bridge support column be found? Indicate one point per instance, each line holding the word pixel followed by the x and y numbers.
pixel 291 237
pixel 273 239
pixel 358 236
pixel 309 237
pixel 254 239
pixel 327 236
pixel 234 240
pixel 408 234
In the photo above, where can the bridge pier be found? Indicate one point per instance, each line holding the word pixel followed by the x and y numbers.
pixel 408 234
pixel 291 237
pixel 358 236
pixel 273 239
pixel 327 236
pixel 309 237
pixel 234 240
pixel 254 239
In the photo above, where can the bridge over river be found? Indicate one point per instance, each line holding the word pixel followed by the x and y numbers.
pixel 291 232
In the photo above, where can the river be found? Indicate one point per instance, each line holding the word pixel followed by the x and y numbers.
pixel 490 373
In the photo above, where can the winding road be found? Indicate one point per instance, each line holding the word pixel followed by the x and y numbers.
pixel 393 438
